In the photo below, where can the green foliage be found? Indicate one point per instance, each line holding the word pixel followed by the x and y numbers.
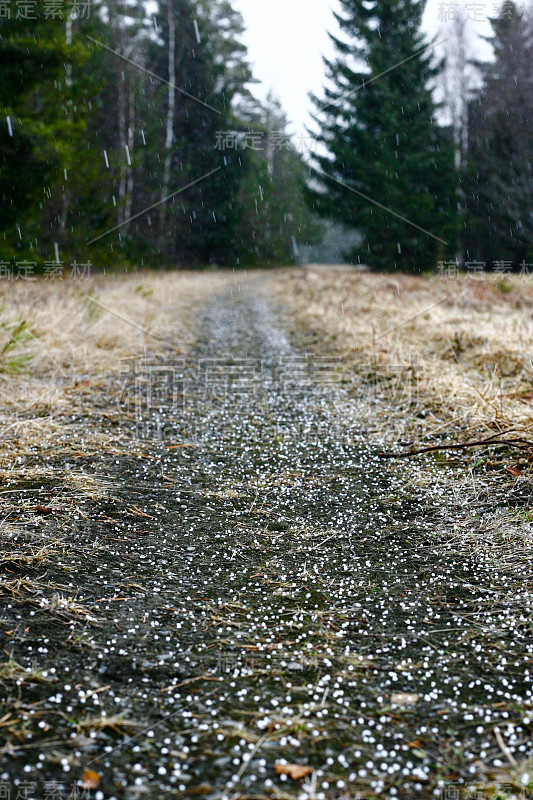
pixel 504 287
pixel 93 311
pixel 274 217
pixel 145 291
pixel 85 159
pixel 38 135
pixel 14 358
pixel 499 178
pixel 386 163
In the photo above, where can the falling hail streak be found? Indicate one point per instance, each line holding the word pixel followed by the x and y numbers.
pixel 197 32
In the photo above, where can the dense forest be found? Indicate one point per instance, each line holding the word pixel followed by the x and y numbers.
pixel 132 136
pixel 135 138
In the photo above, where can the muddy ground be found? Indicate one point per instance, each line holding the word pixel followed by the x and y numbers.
pixel 256 605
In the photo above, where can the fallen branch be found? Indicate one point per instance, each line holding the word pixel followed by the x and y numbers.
pixel 519 443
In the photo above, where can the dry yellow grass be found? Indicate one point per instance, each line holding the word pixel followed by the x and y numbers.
pixel 470 341
pixel 471 344
pixel 63 347
pixel 70 343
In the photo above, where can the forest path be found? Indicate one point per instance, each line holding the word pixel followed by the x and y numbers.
pixel 276 596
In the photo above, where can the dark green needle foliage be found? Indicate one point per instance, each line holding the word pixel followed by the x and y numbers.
pixel 104 161
pixel 379 140
pixel 500 135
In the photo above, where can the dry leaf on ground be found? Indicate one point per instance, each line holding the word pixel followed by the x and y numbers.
pixel 89 779
pixel 294 771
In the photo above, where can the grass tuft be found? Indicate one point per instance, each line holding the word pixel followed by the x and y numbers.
pixel 14 357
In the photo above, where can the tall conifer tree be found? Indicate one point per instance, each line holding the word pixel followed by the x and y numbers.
pixel 381 156
pixel 500 153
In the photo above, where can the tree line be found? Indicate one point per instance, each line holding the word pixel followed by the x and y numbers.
pixel 427 180
pixel 134 137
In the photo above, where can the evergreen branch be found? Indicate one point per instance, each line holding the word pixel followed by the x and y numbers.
pixel 145 210
pixel 381 74
pixel 384 208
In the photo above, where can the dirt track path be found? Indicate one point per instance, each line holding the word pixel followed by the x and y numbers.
pixel 265 592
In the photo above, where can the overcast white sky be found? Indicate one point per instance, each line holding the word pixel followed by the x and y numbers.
pixel 287 38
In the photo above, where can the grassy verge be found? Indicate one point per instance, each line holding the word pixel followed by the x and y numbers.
pixel 444 362
pixel 63 346
pixel 63 427
pixel 453 358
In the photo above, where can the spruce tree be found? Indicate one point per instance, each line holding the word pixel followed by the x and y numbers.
pixel 383 165
pixel 37 132
pixel 500 153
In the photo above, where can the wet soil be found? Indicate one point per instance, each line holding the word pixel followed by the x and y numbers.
pixel 257 590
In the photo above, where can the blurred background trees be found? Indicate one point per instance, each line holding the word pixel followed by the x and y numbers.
pixel 133 137
pixel 384 160
pixel 111 113
pixel 499 160
pixel 429 162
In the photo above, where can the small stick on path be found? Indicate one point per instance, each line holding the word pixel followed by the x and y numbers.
pixel 518 442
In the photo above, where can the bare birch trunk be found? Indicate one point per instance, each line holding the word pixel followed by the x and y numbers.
pixel 169 138
pixel 131 144
pixel 121 112
pixel 65 203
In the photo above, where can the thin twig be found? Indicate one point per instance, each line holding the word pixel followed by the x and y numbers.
pixel 519 443
pixel 503 747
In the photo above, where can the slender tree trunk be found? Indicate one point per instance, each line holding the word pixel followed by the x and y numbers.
pixel 65 202
pixel 131 145
pixel 121 113
pixel 270 144
pixel 68 39
pixel 169 138
pixel 460 125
